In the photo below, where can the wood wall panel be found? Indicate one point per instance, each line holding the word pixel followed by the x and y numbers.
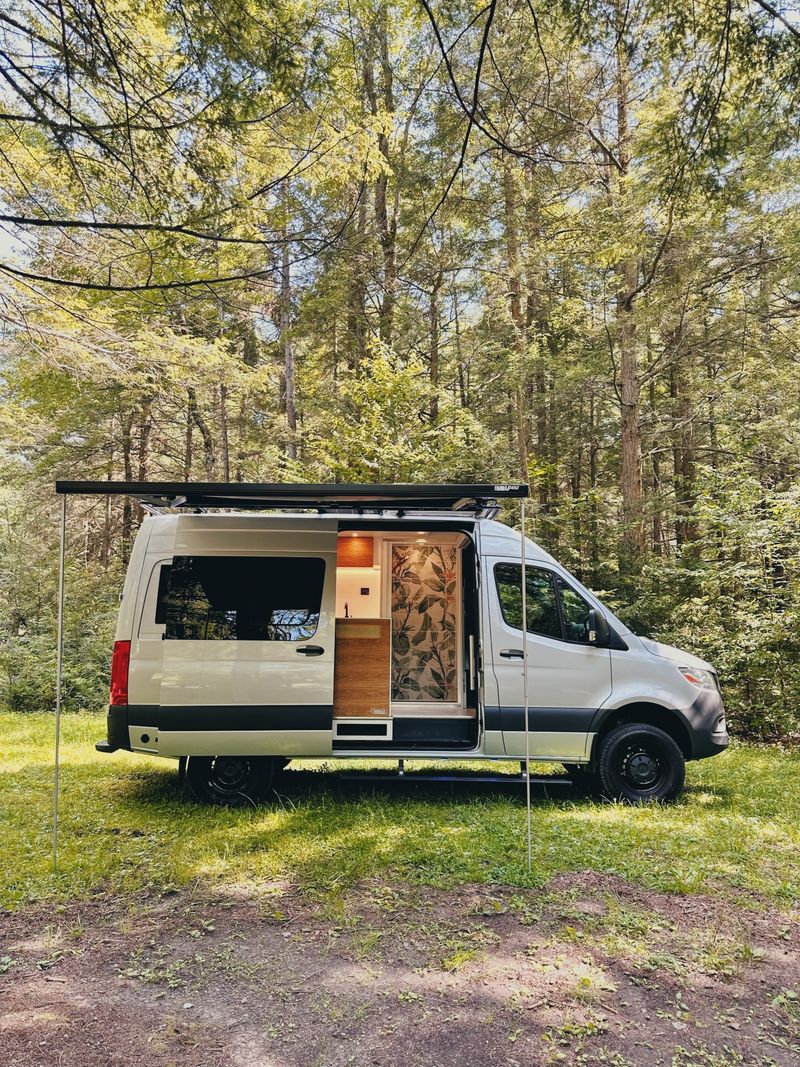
pixel 361 668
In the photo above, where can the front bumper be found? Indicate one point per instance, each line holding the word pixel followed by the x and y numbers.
pixel 707 725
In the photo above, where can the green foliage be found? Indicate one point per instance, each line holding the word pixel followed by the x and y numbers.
pixel 28 626
pixel 735 600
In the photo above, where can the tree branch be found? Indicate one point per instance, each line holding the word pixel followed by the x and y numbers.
pixel 766 6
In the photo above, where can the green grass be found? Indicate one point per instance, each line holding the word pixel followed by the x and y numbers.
pixel 125 825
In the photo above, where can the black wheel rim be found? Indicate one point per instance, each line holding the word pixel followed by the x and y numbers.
pixel 228 775
pixel 643 767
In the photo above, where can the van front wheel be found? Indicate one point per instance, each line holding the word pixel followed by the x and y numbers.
pixel 230 780
pixel 639 762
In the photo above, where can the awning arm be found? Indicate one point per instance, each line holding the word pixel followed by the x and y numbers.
pixel 524 583
pixel 59 673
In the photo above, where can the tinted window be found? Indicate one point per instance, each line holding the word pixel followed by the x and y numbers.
pixel 241 598
pixel 541 600
pixel 543 606
pixel 575 612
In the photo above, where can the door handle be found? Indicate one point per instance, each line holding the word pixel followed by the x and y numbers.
pixel 310 650
pixel 512 653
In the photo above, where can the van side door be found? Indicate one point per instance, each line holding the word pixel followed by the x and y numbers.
pixel 568 678
pixel 248 647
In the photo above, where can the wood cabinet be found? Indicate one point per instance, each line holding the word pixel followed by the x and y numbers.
pixel 362 668
pixel 355 552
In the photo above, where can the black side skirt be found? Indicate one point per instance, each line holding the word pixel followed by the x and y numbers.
pixel 215 717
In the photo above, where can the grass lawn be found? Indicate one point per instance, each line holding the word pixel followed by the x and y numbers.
pixel 126 826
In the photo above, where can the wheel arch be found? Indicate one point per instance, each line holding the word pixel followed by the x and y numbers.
pixel 666 719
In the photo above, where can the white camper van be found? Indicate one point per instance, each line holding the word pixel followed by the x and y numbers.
pixel 382 621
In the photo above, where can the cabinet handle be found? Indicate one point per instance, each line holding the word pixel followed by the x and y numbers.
pixel 310 650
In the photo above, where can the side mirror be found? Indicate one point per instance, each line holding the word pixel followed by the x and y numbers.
pixel 598 628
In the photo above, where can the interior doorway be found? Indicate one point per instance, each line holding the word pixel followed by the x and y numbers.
pixel 403 659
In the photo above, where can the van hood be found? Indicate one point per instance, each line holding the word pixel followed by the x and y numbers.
pixel 675 655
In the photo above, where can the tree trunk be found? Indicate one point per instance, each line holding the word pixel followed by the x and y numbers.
pixel 576 478
pixel 106 539
pixel 594 448
pixel 356 346
pixel 633 539
pixel 127 467
pixel 655 466
pixel 633 536
pixel 145 430
pixel 381 103
pixel 537 320
pixel 435 327
pixel 683 454
pixel 223 429
pixel 188 448
pixel 241 450
pixel 463 393
pixel 517 318
pixel 205 433
pixel 551 475
pixel 286 340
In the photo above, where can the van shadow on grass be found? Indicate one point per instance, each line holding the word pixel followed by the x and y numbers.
pixel 454 785
pixel 450 784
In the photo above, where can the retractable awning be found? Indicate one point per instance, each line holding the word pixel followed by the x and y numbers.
pixel 324 497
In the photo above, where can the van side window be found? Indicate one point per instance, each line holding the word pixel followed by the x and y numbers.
pixel 241 598
pixel 163 594
pixel 554 608
pixel 541 605
pixel 575 612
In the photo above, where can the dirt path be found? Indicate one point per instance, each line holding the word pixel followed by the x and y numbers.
pixel 588 971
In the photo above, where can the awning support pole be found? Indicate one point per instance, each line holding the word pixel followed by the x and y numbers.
pixel 59 658
pixel 525 675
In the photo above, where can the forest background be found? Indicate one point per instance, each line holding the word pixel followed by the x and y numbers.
pixel 385 240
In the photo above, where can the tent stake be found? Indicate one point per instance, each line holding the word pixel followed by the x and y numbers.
pixel 59 656
pixel 524 580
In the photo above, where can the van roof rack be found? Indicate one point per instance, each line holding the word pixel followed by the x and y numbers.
pixel 479 499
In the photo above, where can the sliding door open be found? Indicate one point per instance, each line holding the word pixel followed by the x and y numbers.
pixel 248 648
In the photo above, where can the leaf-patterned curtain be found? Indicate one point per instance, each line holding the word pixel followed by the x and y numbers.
pixel 424 595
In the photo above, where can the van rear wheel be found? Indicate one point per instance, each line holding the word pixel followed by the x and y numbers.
pixel 230 780
pixel 639 763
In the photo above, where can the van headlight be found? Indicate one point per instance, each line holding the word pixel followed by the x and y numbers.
pixel 699 677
